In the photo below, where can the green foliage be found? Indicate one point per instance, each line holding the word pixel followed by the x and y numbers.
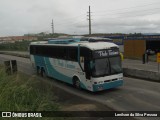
pixel 23 45
pixel 20 93
pixel 43 36
pixel 17 46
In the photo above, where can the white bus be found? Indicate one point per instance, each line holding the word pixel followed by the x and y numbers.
pixel 93 66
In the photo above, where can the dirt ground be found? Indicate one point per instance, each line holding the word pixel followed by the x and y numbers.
pixel 70 102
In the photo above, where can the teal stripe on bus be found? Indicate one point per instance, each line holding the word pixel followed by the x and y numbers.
pixel 57 75
pixel 52 72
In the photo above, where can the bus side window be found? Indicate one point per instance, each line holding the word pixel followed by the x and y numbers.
pixel 72 54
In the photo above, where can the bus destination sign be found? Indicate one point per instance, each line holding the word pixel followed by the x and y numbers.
pixel 105 53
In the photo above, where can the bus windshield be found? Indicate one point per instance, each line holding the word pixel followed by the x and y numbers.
pixel 106 66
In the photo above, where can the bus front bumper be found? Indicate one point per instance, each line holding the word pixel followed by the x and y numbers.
pixel 107 85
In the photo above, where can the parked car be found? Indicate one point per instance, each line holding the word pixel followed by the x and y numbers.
pixel 150 52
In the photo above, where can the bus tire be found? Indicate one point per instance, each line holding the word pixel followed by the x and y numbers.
pixel 43 73
pixel 76 83
pixel 38 70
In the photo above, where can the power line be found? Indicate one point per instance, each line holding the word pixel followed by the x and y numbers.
pixel 98 24
pixel 137 11
pixel 128 8
pixel 70 22
pixel 66 20
pixel 131 15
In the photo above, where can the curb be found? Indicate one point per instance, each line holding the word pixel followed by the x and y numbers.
pixel 142 74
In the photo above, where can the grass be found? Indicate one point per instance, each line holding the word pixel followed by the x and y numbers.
pixel 17 46
pixel 20 92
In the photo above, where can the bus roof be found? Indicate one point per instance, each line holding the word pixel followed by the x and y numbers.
pixel 97 45
pixel 90 45
pixel 96 39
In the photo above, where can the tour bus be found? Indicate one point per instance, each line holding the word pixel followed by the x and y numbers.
pixel 94 66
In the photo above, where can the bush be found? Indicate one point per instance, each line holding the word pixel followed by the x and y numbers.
pixel 17 46
pixel 20 92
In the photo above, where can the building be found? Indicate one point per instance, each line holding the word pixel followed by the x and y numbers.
pixel 119 41
pixel 136 46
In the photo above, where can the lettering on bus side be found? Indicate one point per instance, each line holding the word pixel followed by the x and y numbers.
pixel 70 66
pixel 60 63
pixel 113 52
pixel 105 53
pixel 63 63
pixel 55 61
pixel 101 53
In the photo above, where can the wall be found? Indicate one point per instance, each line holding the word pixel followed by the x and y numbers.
pixel 134 48
pixel 142 74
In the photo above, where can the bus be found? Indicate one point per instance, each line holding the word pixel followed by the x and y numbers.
pixel 94 66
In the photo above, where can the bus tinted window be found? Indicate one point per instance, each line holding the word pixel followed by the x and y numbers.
pixel 72 54
pixel 55 52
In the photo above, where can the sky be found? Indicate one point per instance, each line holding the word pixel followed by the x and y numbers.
pixel 19 17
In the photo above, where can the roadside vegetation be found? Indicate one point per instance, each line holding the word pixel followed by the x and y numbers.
pixel 20 92
pixel 23 45
pixel 17 46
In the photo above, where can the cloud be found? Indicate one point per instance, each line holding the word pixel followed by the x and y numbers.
pixel 19 17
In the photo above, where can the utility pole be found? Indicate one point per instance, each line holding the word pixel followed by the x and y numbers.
pixel 52 25
pixel 89 20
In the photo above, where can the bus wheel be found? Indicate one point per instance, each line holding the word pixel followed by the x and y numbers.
pixel 43 74
pixel 77 83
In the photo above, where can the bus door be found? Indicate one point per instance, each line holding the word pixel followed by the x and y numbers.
pixel 87 71
pixel 87 68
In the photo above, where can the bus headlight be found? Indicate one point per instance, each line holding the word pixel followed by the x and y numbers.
pixel 100 82
pixel 120 78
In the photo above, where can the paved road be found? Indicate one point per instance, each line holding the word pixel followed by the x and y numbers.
pixel 135 95
pixel 24 64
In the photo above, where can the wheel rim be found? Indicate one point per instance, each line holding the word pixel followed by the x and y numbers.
pixel 77 83
pixel 43 74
